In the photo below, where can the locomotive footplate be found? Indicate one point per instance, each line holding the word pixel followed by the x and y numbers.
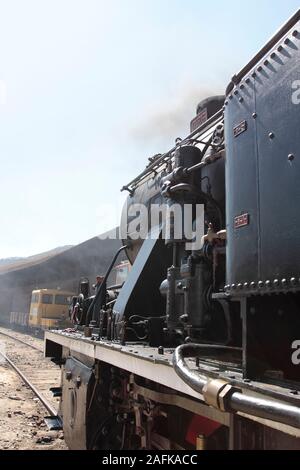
pixel 155 365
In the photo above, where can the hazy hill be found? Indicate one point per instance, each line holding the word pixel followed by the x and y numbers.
pixel 6 261
pixel 10 264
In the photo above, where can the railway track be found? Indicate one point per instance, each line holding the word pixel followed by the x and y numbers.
pixel 36 372
pixel 16 337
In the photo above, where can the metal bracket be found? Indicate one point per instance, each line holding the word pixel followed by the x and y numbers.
pixel 216 393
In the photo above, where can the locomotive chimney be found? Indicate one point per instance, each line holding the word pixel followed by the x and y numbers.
pixel 205 109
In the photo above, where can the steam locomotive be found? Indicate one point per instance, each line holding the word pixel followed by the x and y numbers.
pixel 199 347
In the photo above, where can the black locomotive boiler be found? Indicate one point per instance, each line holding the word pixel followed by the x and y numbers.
pixel 198 348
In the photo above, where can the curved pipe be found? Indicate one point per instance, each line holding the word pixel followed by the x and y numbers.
pixel 260 407
pixel 190 377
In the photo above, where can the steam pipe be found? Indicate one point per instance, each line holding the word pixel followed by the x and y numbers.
pixel 103 284
pixel 237 401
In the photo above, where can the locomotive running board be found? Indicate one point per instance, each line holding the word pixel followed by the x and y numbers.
pixel 145 361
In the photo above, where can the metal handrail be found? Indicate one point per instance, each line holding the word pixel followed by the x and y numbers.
pixel 167 156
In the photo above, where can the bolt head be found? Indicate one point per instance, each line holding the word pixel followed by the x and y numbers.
pixel 271 135
pixel 78 380
pixel 291 157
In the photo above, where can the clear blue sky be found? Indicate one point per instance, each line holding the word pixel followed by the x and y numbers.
pixel 89 89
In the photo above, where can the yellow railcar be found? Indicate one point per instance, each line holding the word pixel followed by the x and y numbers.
pixel 49 308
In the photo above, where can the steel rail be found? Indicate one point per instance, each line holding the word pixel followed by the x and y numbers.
pixel 47 405
pixel 21 341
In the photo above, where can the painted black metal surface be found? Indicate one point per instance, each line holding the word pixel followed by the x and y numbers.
pixel 241 178
pixel 140 295
pixel 262 175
